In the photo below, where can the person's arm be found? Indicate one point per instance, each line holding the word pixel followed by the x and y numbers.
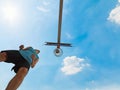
pixel 34 61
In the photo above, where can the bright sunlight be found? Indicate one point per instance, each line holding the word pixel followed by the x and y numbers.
pixel 11 13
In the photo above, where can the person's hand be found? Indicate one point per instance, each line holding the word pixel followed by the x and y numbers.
pixel 34 60
pixel 21 47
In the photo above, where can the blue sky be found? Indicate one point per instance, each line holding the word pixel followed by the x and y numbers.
pixel 93 28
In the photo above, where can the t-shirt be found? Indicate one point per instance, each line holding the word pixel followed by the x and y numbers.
pixel 27 54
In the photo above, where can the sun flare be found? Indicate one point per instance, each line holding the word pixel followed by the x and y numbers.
pixel 11 13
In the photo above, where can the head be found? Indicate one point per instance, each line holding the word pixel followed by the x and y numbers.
pixel 37 51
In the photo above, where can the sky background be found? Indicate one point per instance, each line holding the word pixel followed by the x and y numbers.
pixel 91 26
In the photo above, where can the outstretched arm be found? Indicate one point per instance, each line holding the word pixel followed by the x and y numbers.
pixel 34 61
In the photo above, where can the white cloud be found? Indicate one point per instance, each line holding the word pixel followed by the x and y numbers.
pixel 73 65
pixel 119 1
pixel 43 9
pixel 108 87
pixel 114 15
pixel 69 36
pixel 52 6
pixel 46 3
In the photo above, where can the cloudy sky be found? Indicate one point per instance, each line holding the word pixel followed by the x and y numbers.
pixel 91 26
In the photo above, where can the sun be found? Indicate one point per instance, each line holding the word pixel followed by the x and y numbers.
pixel 11 13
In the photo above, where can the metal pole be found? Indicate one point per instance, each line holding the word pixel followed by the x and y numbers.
pixel 60 21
